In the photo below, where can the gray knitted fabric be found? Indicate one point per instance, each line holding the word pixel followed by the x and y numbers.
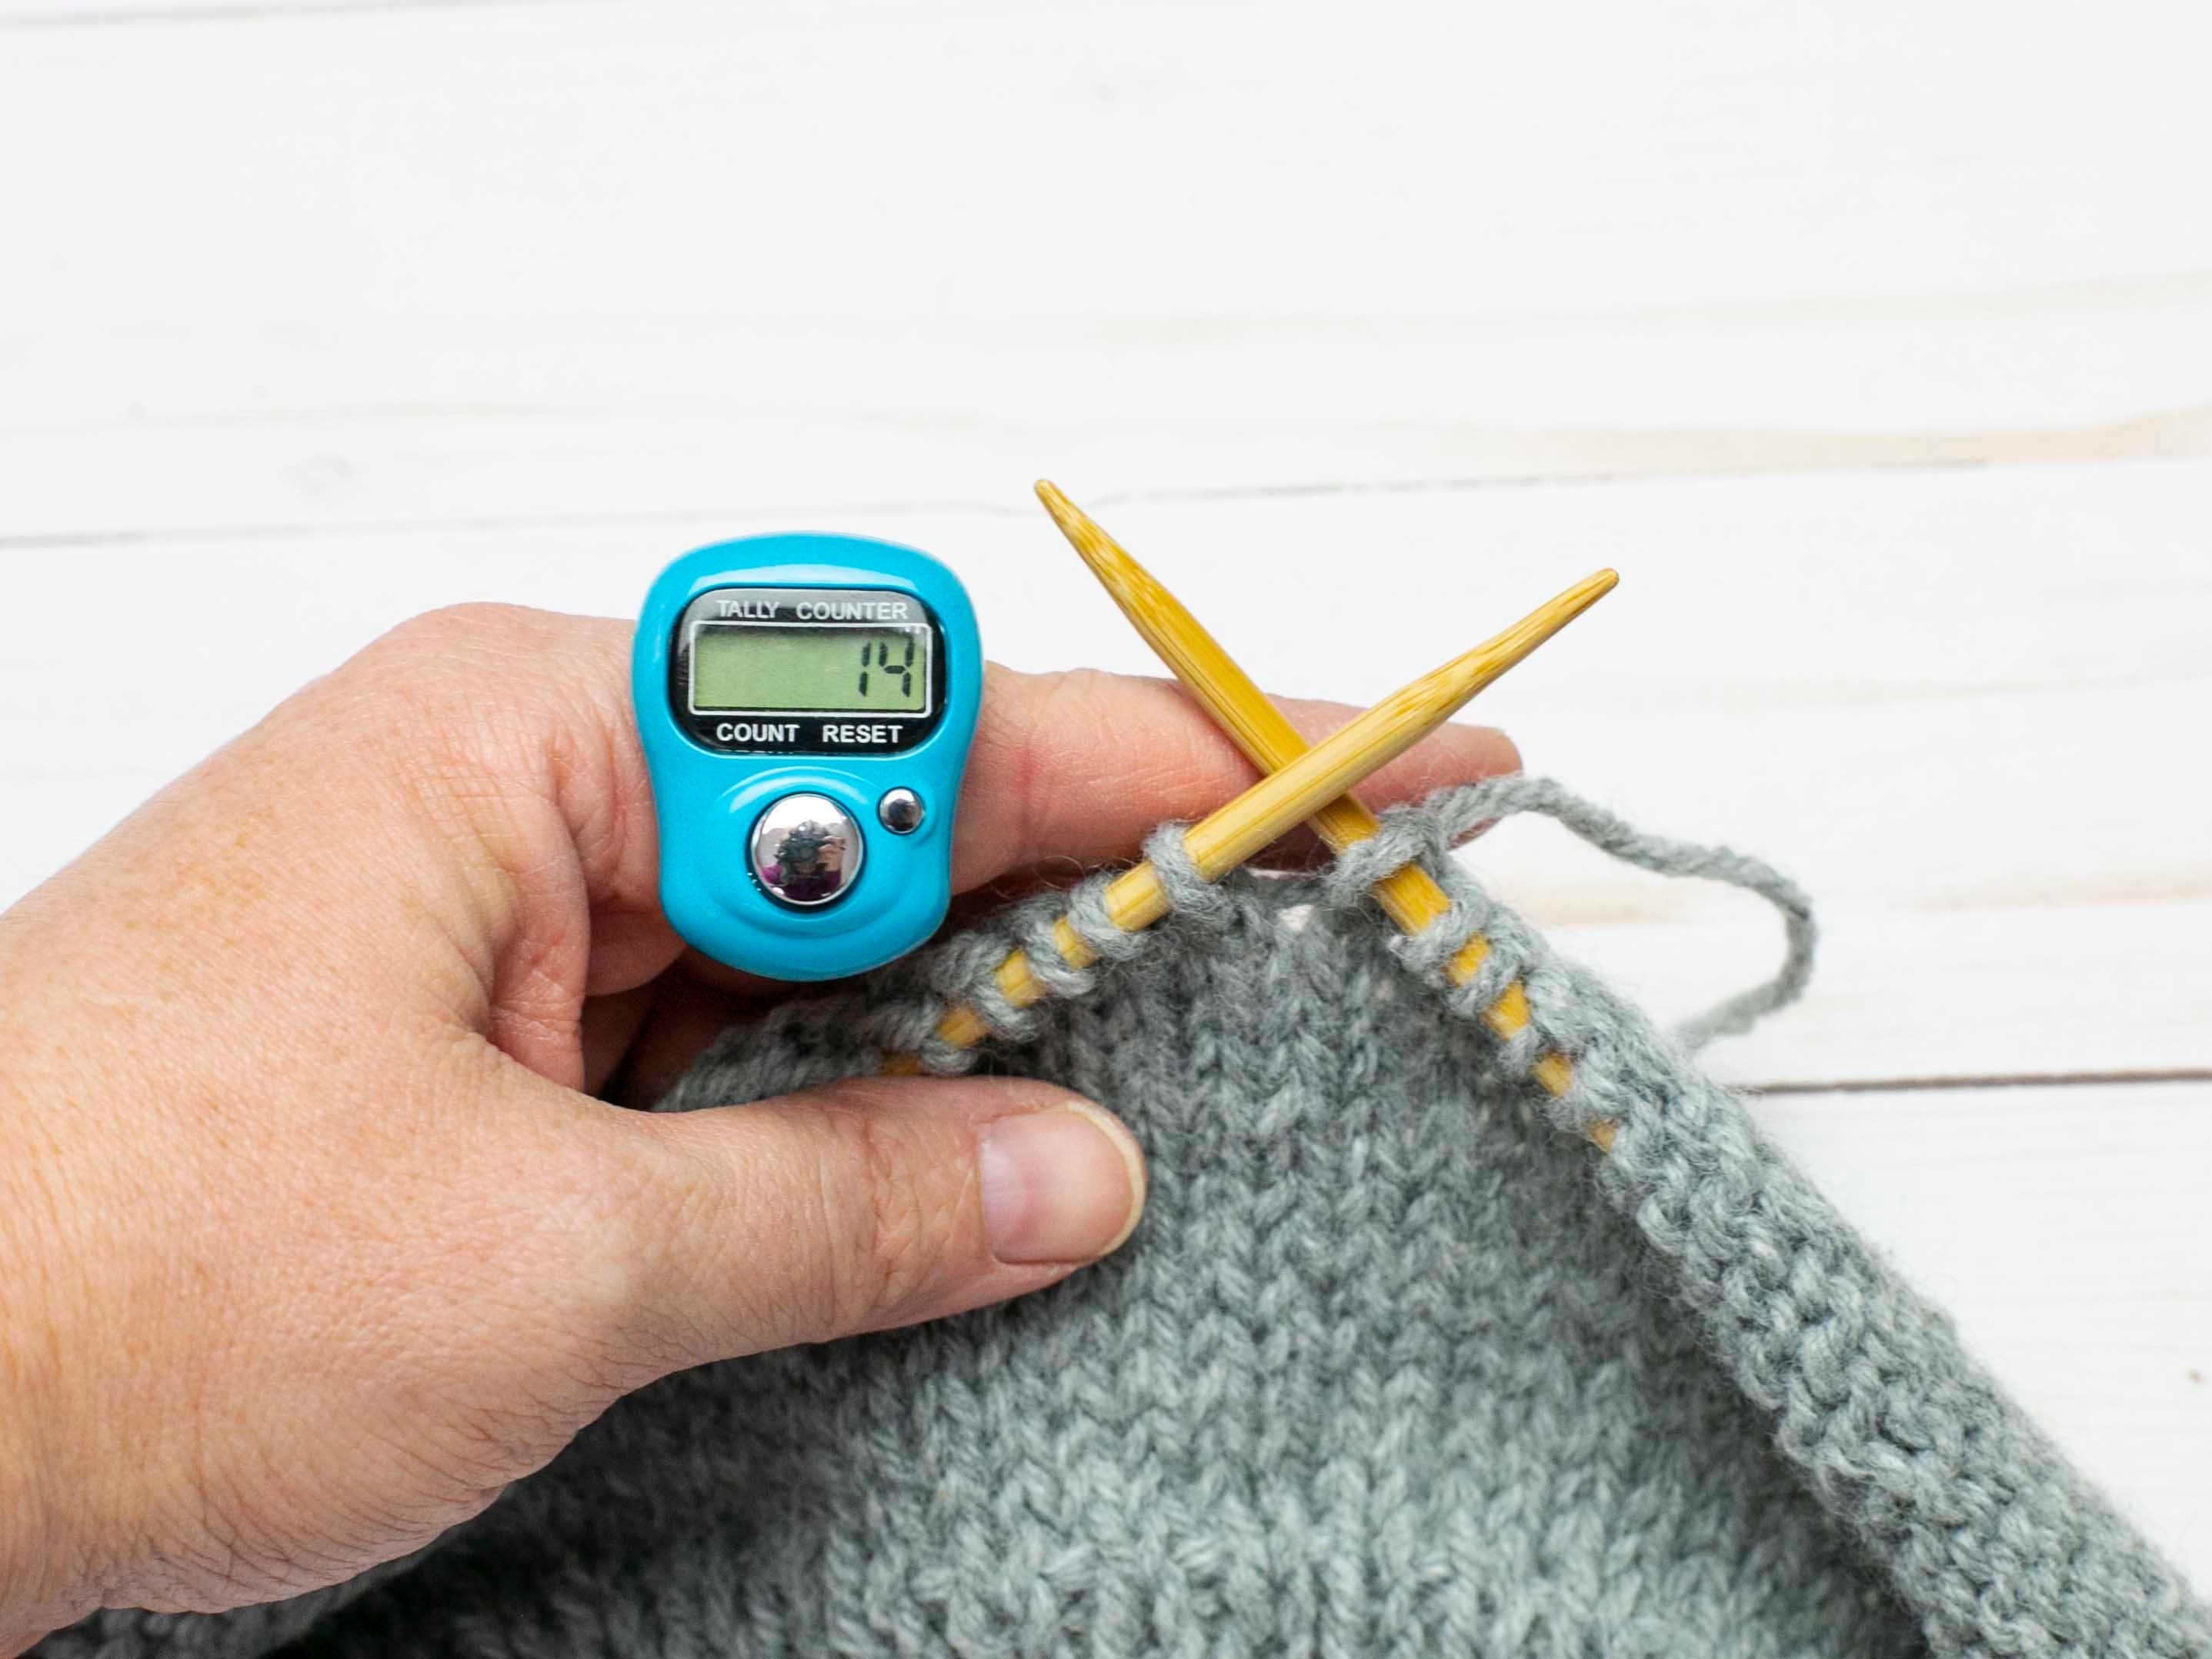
pixel 1398 1362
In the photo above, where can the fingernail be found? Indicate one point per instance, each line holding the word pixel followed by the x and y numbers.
pixel 1065 1184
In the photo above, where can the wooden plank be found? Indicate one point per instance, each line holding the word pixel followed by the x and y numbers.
pixel 469 286
pixel 2066 1230
pixel 1921 691
pixel 2051 991
pixel 26 15
pixel 1894 687
pixel 1425 166
pixel 1926 690
pixel 1945 703
pixel 236 433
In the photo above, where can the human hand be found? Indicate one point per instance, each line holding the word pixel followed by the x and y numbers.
pixel 312 1235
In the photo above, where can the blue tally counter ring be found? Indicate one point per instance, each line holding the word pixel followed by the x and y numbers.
pixel 806 704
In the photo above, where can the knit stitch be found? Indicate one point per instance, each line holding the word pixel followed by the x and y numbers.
pixel 1391 1365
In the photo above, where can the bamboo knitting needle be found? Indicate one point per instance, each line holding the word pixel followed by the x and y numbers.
pixel 1410 896
pixel 1219 842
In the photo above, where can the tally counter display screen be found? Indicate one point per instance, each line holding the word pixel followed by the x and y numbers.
pixel 807 671
pixel 766 668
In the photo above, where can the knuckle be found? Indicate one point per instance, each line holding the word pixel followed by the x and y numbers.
pixel 449 628
pixel 889 1224
pixel 414 700
pixel 432 666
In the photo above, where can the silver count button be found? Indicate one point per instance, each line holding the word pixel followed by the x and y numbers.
pixel 901 810
pixel 805 851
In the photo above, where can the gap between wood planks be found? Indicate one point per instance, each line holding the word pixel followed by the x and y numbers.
pixel 2176 435
pixel 83 16
pixel 2019 1080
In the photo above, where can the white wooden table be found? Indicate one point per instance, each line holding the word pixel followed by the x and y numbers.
pixel 1872 342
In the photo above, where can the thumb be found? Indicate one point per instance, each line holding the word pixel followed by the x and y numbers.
pixel 870 1204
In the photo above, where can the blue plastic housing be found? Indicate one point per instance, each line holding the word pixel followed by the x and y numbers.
pixel 706 800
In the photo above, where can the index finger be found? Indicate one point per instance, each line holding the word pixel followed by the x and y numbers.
pixel 1081 765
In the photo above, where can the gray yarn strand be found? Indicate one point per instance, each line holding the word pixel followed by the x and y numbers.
pixel 1426 832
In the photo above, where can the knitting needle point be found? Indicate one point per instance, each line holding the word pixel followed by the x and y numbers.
pixel 1411 896
pixel 1225 838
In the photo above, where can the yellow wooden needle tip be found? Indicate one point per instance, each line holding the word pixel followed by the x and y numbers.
pixel 1105 556
pixel 1124 578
